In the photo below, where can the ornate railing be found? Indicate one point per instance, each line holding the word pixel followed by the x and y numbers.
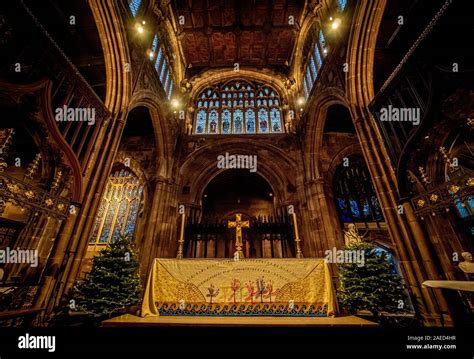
pixel 266 237
pixel 439 199
pixel 26 195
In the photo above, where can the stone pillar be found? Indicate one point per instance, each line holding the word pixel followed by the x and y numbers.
pixel 161 227
pixel 321 230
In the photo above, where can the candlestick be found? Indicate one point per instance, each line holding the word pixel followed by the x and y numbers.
pixel 181 238
pixel 299 252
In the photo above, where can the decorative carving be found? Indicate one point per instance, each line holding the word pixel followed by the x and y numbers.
pixel 28 196
pixel 468 265
pixel 6 141
pixel 32 168
pixel 423 175
pixel 352 236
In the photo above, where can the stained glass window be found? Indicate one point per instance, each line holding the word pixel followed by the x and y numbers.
pixel 158 59
pixel 250 120
pixel 154 44
pixel 464 208
pixel 170 90
pixel 308 77
pixel 118 210
pixel 238 121
pixel 461 208
pixel 263 120
pixel 356 198
pixel 134 6
pixel 201 121
pixel 314 61
pixel 164 69
pixel 167 79
pixel 314 72
pixel 464 204
pixel 322 41
pixel 317 54
pixel 226 120
pixel 305 84
pixel 342 4
pixel 238 107
pixel 213 120
pixel 275 120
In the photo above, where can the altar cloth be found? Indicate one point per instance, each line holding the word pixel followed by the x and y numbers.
pixel 246 287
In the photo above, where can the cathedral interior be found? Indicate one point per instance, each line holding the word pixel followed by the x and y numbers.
pixel 305 123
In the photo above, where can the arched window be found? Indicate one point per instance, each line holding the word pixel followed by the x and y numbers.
pixel 238 107
pixel 134 5
pixel 161 65
pixel 118 211
pixel 355 194
pixel 314 61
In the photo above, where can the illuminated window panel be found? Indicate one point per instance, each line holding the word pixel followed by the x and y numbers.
pixel 250 121
pixel 342 4
pixel 134 5
pixel 356 198
pixel 154 44
pixel 200 122
pixel 164 69
pixel 314 71
pixel 159 57
pixel 275 119
pixel 226 121
pixel 317 55
pixel 170 90
pixel 263 120
pixel 305 84
pixel 239 107
pixel 322 41
pixel 118 210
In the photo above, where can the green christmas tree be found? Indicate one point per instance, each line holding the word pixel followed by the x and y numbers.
pixel 112 284
pixel 373 286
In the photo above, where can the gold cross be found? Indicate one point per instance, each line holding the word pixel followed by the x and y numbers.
pixel 238 224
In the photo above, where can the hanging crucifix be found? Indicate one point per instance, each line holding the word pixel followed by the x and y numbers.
pixel 238 224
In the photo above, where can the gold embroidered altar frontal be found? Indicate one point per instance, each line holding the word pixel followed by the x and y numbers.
pixel 247 287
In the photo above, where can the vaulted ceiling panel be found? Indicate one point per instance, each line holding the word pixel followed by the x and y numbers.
pixel 251 33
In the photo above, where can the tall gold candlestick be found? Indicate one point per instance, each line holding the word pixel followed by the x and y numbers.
pixel 299 252
pixel 181 238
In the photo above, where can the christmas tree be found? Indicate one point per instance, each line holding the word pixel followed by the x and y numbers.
pixel 112 284
pixel 374 286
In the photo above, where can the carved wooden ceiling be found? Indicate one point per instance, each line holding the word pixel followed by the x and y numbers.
pixel 219 33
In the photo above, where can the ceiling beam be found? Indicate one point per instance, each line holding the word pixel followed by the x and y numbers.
pixel 251 28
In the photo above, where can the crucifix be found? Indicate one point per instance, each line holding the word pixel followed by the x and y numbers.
pixel 238 224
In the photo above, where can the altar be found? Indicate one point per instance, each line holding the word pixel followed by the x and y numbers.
pixel 242 287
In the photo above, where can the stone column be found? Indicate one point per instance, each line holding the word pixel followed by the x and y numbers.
pixel 161 227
